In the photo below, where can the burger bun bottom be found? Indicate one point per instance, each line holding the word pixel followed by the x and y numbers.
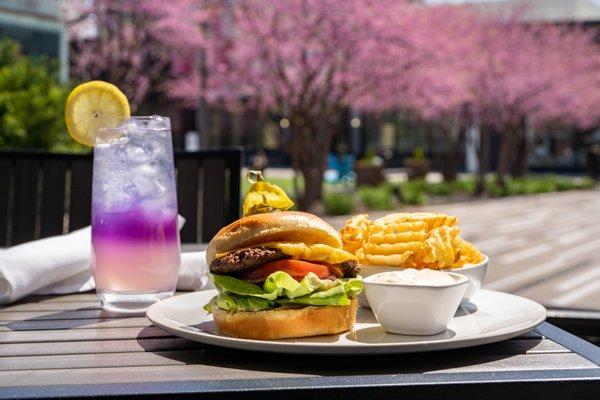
pixel 286 323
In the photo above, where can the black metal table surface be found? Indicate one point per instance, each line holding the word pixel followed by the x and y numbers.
pixel 67 346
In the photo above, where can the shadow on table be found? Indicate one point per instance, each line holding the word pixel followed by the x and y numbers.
pixel 326 365
pixel 59 320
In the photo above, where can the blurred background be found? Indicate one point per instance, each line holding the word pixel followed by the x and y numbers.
pixel 468 107
pixel 335 91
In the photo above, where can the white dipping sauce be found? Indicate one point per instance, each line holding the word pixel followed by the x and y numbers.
pixel 411 276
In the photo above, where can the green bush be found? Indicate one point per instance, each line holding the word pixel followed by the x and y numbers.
pixel 377 198
pixel 543 185
pixel 338 203
pixel 537 184
pixel 565 184
pixel 32 101
pixel 584 183
pixel 413 192
pixel 465 185
pixel 440 188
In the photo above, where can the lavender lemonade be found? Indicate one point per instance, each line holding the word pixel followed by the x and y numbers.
pixel 135 239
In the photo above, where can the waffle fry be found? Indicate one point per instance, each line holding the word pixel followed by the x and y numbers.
pixel 417 240
pixel 396 259
pixel 439 247
pixel 402 237
pixel 354 232
pixel 467 253
pixel 391 248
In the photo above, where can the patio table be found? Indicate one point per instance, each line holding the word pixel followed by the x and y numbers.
pixel 67 346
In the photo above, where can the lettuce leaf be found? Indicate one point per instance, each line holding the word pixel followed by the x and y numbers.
pixel 312 300
pixel 238 303
pixel 229 284
pixel 280 289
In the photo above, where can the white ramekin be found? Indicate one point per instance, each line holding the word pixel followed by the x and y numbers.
pixel 475 272
pixel 415 309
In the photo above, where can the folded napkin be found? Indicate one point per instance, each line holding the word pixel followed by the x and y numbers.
pixel 61 264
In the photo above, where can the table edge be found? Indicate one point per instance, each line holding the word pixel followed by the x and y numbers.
pixel 259 387
pixel 585 349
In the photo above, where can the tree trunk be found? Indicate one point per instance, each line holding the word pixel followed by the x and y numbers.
pixel 484 158
pixel 313 183
pixel 454 142
pixel 504 156
pixel 519 167
pixel 310 146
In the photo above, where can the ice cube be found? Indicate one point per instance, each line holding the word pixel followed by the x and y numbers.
pixel 156 122
pixel 149 180
pixel 137 155
pixel 119 201
pixel 158 207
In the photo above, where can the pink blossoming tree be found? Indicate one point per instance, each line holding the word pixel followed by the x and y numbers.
pixel 309 60
pixel 134 44
pixel 530 75
pixel 306 60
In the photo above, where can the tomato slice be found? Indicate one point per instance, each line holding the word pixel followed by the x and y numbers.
pixel 297 269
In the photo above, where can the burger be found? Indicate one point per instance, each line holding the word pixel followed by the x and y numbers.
pixel 282 275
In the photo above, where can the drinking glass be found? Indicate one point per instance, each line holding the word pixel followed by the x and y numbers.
pixel 135 238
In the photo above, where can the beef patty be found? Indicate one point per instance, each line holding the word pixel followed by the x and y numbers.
pixel 350 269
pixel 244 260
pixel 247 259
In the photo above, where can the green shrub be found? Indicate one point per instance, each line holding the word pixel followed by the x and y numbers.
pixel 440 188
pixel 584 183
pixel 377 198
pixel 418 153
pixel 413 192
pixel 417 184
pixel 544 186
pixel 338 203
pixel 563 184
pixel 529 185
pixel 567 183
pixel 32 102
pixel 465 185
pixel 496 190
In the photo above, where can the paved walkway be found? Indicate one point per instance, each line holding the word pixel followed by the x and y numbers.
pixel 544 247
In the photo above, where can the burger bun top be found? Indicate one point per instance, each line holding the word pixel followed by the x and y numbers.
pixel 284 226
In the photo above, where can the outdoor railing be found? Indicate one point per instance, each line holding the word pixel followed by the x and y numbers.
pixel 45 194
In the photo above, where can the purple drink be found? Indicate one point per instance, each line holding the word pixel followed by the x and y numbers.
pixel 135 240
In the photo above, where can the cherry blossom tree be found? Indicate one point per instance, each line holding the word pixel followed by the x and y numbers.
pixel 306 60
pixel 309 60
pixel 531 74
pixel 432 58
pixel 129 42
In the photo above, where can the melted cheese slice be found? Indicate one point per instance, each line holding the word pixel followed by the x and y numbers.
pixel 309 252
pixel 313 252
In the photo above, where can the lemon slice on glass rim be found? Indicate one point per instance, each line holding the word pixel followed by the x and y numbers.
pixel 94 105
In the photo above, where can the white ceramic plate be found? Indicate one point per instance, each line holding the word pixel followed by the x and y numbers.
pixel 489 317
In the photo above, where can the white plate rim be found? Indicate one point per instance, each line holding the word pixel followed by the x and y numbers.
pixel 327 348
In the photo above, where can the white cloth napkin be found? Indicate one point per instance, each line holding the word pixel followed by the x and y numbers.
pixel 61 264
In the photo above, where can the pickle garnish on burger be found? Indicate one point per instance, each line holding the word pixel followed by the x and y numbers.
pixel 280 274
